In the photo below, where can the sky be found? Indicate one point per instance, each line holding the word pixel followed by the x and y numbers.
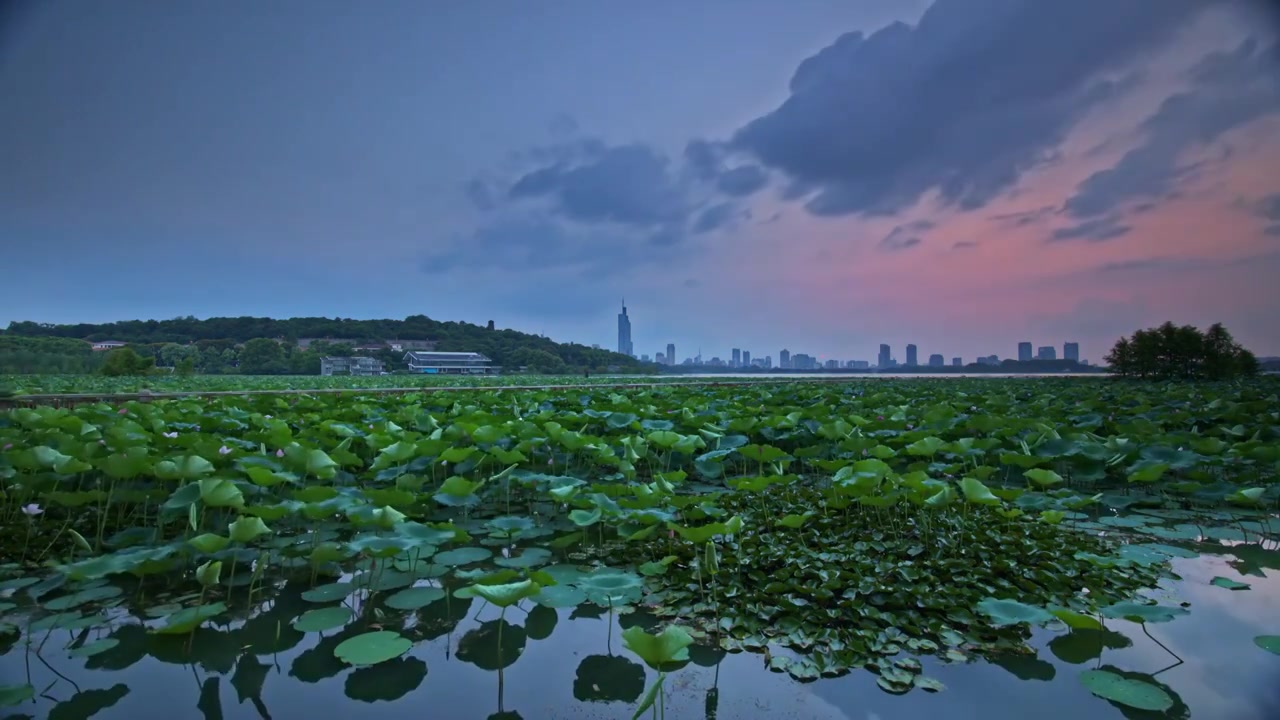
pixel 821 176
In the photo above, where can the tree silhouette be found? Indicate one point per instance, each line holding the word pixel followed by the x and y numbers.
pixel 1170 352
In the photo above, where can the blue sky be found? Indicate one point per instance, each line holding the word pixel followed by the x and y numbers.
pixel 821 176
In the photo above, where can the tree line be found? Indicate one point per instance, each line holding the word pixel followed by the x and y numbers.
pixel 266 346
pixel 1172 352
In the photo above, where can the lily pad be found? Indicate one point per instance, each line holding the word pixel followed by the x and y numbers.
pixel 372 648
pixel 328 593
pixel 415 597
pixel 1137 612
pixel 94 648
pixel 1270 643
pixel 15 694
pixel 1132 693
pixel 1012 612
pixel 1229 584
pixel 560 596
pixel 462 556
pixel 322 619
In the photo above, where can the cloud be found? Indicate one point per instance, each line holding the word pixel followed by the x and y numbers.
pixel 742 181
pixel 1025 217
pixel 717 216
pixel 627 184
pixel 1228 90
pixel 1272 230
pixel 1268 206
pixel 905 236
pixel 964 103
pixel 532 242
pixel 1095 230
pixel 1150 263
pixel 964 245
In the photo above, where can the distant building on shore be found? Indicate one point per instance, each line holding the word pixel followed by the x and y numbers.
pixel 351 366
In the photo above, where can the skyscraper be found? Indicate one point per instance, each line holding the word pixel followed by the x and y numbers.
pixel 956 362
pixel 624 331
pixel 1071 351
pixel 882 360
pixel 746 358
pixel 784 359
pixel 935 360
pixel 1047 352
pixel 737 358
pixel 1024 351
pixel 911 356
pixel 671 353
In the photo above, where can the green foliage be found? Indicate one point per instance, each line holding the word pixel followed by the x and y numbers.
pixel 126 361
pixel 27 347
pixel 1170 352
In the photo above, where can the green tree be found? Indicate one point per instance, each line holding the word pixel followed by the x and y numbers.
pixel 125 361
pixel 261 356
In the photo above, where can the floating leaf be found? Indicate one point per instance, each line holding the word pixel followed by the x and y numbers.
pixel 1229 583
pixel 1270 643
pixel 328 593
pixel 463 556
pixel 322 619
pixel 1140 613
pixel 188 619
pixel 94 648
pixel 372 648
pixel 414 598
pixel 1012 612
pixel 1125 691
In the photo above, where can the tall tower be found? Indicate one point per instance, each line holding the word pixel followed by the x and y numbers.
pixel 882 360
pixel 671 353
pixel 737 358
pixel 624 332
pixel 1071 351
pixel 911 356
pixel 1024 352
pixel 784 359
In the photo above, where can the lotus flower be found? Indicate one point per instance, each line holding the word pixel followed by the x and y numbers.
pixel 266 417
pixel 124 411
pixel 31 510
pixel 171 435
pixel 910 426
pixel 6 447
pixel 280 453
pixel 224 450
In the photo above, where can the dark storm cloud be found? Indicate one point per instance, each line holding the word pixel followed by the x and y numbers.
pixel 965 102
pixel 705 159
pixel 1095 230
pixel 1228 90
pixel 1269 207
pixel 905 236
pixel 742 181
pixel 627 184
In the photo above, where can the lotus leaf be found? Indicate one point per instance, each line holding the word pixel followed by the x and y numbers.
pixel 1139 613
pixel 671 645
pixel 1270 643
pixel 414 598
pixel 188 619
pixel 322 619
pixel 372 648
pixel 1125 691
pixel 1012 612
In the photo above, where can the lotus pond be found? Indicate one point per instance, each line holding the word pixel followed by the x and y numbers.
pixel 881 548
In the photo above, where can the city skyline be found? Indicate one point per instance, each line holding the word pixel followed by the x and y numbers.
pixel 822 176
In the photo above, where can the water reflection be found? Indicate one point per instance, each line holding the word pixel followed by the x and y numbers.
pixel 536 662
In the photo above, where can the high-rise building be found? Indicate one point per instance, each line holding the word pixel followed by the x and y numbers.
pixel 800 361
pixel 956 362
pixel 936 360
pixel 746 358
pixel 784 359
pixel 1071 351
pixel 832 364
pixel 644 358
pixel 662 359
pixel 737 358
pixel 882 360
pixel 671 353
pixel 911 356
pixel 624 332
pixel 1024 351
pixel 1047 352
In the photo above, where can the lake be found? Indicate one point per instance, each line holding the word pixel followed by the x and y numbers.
pixel 571 664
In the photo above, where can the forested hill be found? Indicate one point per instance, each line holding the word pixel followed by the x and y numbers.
pixel 508 348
